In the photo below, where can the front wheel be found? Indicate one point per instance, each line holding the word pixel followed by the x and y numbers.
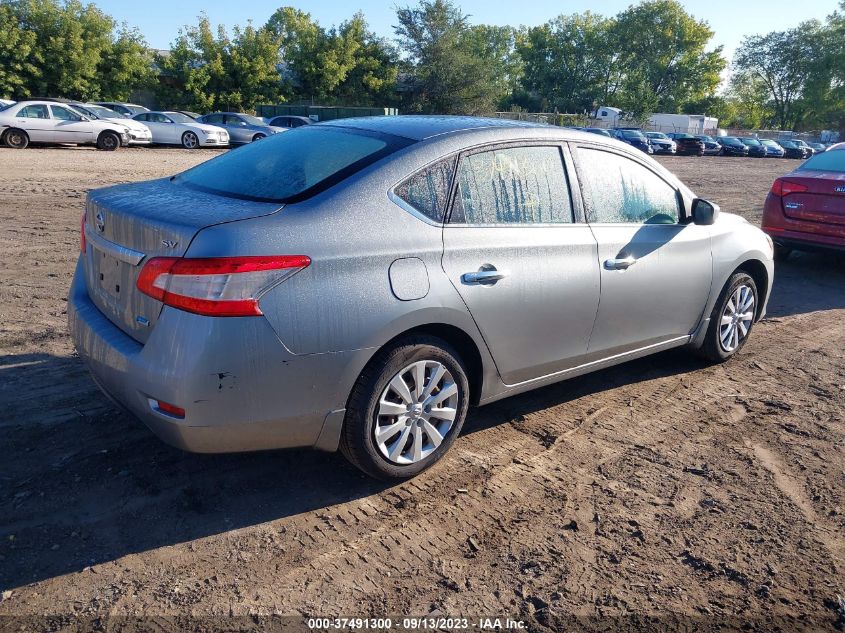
pixel 732 319
pixel 16 139
pixel 190 140
pixel 108 141
pixel 258 137
pixel 406 409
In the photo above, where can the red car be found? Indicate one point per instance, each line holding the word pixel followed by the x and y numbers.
pixel 805 210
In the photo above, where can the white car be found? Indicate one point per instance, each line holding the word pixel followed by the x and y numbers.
pixel 50 122
pixel 175 128
pixel 139 134
pixel 5 102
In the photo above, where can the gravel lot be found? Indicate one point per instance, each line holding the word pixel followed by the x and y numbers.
pixel 664 492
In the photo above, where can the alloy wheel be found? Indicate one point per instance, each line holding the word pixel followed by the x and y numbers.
pixel 415 412
pixel 737 317
pixel 190 140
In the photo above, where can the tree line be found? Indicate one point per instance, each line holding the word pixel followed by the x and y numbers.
pixel 652 57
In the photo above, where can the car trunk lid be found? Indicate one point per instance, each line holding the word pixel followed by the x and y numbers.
pixel 126 225
pixel 823 202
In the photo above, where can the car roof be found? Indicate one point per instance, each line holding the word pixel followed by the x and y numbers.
pixel 420 127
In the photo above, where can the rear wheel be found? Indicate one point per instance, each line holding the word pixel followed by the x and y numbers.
pixel 16 139
pixel 108 141
pixel 190 140
pixel 732 318
pixel 258 137
pixel 406 408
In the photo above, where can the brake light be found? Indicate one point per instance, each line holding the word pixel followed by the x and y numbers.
pixel 165 407
pixel 781 187
pixel 83 244
pixel 217 286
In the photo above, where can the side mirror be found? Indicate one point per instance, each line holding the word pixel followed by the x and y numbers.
pixel 704 212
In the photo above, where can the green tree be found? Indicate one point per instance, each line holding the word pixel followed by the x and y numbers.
pixel 664 56
pixel 782 60
pixel 125 66
pixel 571 62
pixel 750 96
pixel 374 68
pixel 445 73
pixel 16 50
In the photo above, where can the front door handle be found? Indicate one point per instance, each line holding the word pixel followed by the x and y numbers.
pixel 487 275
pixel 620 264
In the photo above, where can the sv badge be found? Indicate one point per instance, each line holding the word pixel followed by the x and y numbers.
pixel 169 243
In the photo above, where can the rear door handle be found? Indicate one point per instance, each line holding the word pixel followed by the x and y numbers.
pixel 620 264
pixel 487 275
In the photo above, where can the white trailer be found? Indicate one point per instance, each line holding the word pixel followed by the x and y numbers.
pixel 689 123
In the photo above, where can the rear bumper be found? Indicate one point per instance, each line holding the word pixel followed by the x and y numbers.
pixel 240 388
pixel 806 241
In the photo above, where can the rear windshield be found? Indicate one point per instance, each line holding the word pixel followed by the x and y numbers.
pixel 828 161
pixel 291 166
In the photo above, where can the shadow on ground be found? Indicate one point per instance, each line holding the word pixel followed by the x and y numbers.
pixel 82 483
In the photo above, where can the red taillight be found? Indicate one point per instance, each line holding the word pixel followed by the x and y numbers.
pixel 169 409
pixel 82 243
pixel 217 286
pixel 781 187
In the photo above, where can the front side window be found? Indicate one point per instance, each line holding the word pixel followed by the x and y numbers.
pixel 34 112
pixel 619 190
pixel 516 185
pixel 291 166
pixel 63 114
pixel 428 190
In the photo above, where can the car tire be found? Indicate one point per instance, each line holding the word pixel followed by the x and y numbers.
pixel 714 347
pixel 108 141
pixel 782 253
pixel 414 439
pixel 258 137
pixel 16 139
pixel 190 140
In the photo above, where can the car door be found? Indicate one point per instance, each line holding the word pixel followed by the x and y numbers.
pixel 35 120
pixel 238 129
pixel 70 127
pixel 656 268
pixel 517 250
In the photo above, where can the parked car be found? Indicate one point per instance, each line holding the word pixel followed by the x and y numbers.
pixel 242 128
pixel 127 110
pixel 49 122
pixel 633 137
pixel 687 144
pixel 660 143
pixel 711 147
pixel 755 147
pixel 732 146
pixel 807 149
pixel 793 150
pixel 817 148
pixel 805 210
pixel 326 288
pixel 5 103
pixel 598 130
pixel 772 148
pixel 139 134
pixel 288 120
pixel 175 128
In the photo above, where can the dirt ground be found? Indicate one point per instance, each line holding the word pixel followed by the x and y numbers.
pixel 664 493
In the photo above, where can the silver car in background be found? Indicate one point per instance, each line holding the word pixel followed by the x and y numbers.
pixel 242 128
pixel 359 284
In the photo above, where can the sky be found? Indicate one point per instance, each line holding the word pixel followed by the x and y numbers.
pixel 160 20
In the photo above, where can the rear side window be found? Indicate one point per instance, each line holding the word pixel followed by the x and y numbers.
pixel 34 112
pixel 291 166
pixel 827 161
pixel 428 190
pixel 515 185
pixel 619 190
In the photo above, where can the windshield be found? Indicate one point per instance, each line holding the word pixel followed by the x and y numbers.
pixel 252 120
pixel 750 141
pixel 788 144
pixel 100 112
pixel 632 134
pixel 828 161
pixel 178 117
pixel 659 135
pixel 684 136
pixel 730 140
pixel 770 143
pixel 292 166
pixel 705 138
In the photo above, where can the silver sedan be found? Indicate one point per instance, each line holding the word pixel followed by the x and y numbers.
pixel 242 128
pixel 359 284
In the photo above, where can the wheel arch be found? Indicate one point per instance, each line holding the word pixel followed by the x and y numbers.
pixel 757 270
